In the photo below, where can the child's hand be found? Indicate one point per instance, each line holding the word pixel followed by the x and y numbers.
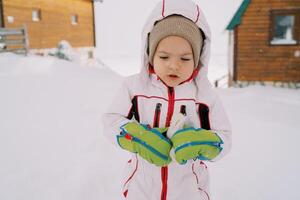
pixel 191 143
pixel 178 121
pixel 149 143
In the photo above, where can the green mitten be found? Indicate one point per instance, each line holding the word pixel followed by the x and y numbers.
pixel 148 142
pixel 191 143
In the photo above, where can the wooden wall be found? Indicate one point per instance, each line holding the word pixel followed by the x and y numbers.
pixel 256 59
pixel 55 24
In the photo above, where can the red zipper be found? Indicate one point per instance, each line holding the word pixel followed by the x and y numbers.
pixel 164 170
pixel 164 179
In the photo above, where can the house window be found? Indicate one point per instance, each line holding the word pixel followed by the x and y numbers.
pixel 74 19
pixel 36 15
pixel 10 19
pixel 285 25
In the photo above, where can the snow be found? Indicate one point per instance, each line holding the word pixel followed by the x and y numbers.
pixel 51 140
pixel 264 162
pixel 52 146
pixel 283 41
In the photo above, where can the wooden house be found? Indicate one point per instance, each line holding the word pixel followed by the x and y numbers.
pixel 50 21
pixel 265 42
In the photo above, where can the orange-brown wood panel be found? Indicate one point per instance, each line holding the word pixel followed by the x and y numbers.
pixel 55 24
pixel 258 60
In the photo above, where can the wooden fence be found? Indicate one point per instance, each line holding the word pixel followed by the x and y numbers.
pixel 14 40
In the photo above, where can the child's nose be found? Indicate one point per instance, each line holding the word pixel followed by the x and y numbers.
pixel 174 65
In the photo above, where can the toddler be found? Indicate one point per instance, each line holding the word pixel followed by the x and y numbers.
pixel 168 115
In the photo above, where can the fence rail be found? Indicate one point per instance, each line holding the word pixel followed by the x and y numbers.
pixel 14 40
pixel 223 80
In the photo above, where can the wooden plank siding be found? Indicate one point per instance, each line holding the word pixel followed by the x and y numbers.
pixel 55 24
pixel 256 59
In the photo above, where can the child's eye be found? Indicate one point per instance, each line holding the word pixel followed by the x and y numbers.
pixel 185 59
pixel 163 57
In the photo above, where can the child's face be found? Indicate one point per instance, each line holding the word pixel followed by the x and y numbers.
pixel 173 60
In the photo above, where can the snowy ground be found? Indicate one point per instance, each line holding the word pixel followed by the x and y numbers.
pixel 51 145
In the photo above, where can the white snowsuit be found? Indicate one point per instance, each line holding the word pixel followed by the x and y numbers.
pixel 145 181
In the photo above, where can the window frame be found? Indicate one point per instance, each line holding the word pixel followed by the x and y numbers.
pixel 39 15
pixel 10 19
pixel 76 17
pixel 296 30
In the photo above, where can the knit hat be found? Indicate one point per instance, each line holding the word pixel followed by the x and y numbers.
pixel 176 25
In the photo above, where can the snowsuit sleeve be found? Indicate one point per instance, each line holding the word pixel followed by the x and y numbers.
pixel 220 124
pixel 116 114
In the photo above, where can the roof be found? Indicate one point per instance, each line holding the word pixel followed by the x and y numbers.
pixel 236 20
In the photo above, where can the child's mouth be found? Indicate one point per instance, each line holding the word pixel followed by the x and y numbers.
pixel 173 76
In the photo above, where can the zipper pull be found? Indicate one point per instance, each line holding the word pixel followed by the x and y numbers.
pixel 183 110
pixel 171 90
pixel 157 115
pixel 158 106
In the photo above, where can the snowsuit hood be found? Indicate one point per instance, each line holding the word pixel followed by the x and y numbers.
pixel 190 10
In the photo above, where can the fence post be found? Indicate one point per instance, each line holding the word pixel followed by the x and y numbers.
pixel 219 79
pixel 26 39
pixel 14 37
